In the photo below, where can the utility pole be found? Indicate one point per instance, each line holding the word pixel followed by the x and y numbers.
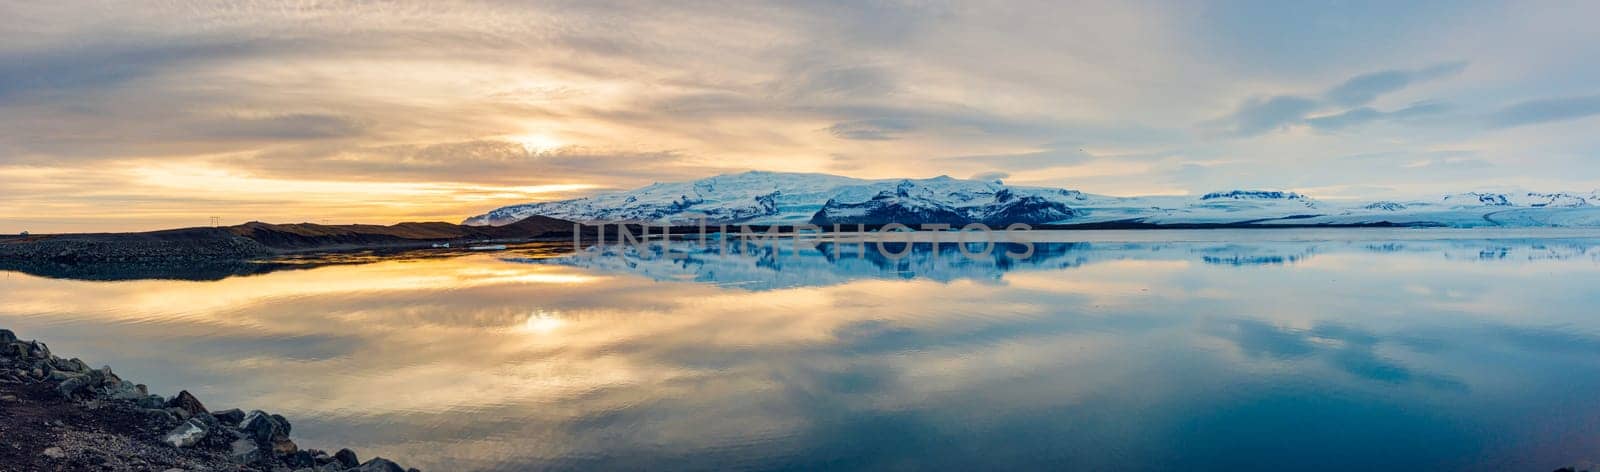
pixel 216 221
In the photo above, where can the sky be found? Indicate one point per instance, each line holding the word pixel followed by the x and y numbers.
pixel 153 114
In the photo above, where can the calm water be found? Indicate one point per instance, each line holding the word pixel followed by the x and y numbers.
pixel 1160 350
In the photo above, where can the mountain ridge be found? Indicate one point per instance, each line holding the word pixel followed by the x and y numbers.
pixel 776 198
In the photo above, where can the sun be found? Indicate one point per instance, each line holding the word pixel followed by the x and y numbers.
pixel 538 143
pixel 543 322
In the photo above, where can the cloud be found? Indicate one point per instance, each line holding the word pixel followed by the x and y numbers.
pixel 491 162
pixel 1396 155
pixel 1365 88
pixel 36 75
pixel 1363 115
pixel 1449 163
pixel 293 127
pixel 1023 161
pixel 991 176
pixel 1345 120
pixel 633 92
pixel 1351 349
pixel 1261 115
pixel 1545 111
pixel 870 130
pixel 812 81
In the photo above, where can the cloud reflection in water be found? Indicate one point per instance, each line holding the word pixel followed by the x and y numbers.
pixel 1125 355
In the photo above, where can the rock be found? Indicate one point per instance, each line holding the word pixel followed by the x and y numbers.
pixel 346 458
pixel 318 457
pixel 264 428
pixel 299 459
pixel 188 434
pixel 182 414
pixel 245 451
pixel 69 387
pixel 59 375
pixel 187 402
pixel 69 365
pixel 218 435
pixel 152 402
pixel 284 422
pixel 257 441
pixel 284 447
pixel 379 464
pixel 162 415
pixel 125 390
pixel 105 376
pixel 230 417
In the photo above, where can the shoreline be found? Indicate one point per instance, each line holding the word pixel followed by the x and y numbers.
pixel 254 242
pixel 60 414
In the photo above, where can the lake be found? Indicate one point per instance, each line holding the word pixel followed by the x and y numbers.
pixel 1102 350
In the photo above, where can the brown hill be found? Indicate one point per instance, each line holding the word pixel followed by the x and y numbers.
pixel 300 236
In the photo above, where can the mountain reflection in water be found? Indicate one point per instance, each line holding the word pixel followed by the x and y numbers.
pixel 765 265
pixel 1330 351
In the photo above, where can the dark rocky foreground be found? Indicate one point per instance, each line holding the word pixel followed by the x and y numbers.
pixel 59 414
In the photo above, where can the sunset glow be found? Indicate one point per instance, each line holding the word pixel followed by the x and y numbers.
pixel 133 115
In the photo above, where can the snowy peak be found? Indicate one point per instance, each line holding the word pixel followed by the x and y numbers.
pixel 1254 195
pixel 1524 199
pixel 724 198
pixel 943 200
pixel 1264 202
pixel 1558 199
pixel 1384 206
pixel 1477 199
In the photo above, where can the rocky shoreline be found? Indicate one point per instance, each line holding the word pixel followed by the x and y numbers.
pixel 60 414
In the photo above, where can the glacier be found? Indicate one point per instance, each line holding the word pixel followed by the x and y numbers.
pixel 779 198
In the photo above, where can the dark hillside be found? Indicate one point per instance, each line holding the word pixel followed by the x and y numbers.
pixel 257 239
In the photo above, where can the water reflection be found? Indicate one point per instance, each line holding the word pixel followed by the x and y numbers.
pixel 1332 353
pixel 770 266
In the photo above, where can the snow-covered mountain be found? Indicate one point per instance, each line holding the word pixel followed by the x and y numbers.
pixel 1524 199
pixel 765 196
pixel 821 199
pixel 936 201
pixel 790 198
